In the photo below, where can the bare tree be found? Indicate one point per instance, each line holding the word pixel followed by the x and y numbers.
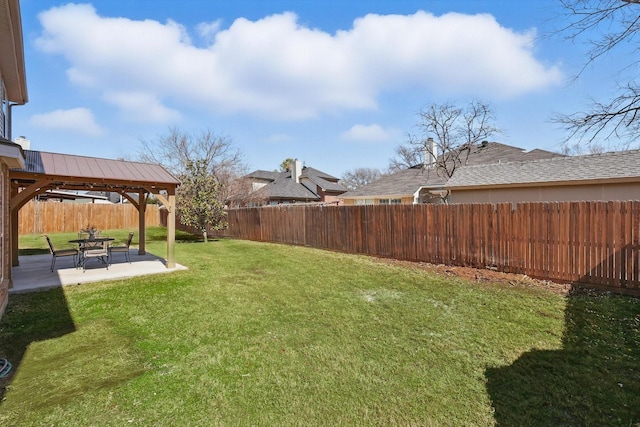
pixel 615 24
pixel 359 177
pixel 178 149
pixel 576 148
pixel 240 193
pixel 449 134
pixel 407 155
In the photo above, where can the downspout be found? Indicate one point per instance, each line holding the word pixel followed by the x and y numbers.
pixel 10 118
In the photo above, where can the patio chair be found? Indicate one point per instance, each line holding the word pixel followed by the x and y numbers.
pixel 99 251
pixel 124 248
pixel 60 253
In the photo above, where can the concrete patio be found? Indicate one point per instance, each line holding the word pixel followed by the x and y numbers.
pixel 34 272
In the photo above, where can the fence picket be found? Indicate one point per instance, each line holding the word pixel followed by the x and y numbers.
pixel 37 217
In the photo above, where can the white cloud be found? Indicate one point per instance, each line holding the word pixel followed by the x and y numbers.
pixel 276 67
pixel 77 120
pixel 142 107
pixel 208 30
pixel 367 133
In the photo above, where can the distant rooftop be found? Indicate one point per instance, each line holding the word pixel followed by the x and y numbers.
pixel 620 165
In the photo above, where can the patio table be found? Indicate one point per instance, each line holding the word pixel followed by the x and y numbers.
pixel 89 244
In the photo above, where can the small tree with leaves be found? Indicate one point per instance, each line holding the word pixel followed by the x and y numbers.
pixel 198 199
pixel 286 164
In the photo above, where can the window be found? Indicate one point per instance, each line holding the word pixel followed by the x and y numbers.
pixel 390 201
pixel 362 202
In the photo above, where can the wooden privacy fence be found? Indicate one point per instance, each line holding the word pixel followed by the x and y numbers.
pixel 588 243
pixel 49 217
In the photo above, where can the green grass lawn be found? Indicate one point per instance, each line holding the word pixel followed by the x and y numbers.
pixel 263 334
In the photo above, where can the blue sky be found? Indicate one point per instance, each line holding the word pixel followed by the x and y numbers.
pixel 336 84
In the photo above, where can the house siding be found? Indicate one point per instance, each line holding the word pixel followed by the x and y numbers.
pixel 560 193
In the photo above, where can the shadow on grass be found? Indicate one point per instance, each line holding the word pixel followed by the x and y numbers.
pixel 181 236
pixel 32 251
pixel 29 318
pixel 593 380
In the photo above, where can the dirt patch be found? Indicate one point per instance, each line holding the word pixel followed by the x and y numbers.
pixel 482 275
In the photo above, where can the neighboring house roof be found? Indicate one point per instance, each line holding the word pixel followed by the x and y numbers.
pixel 69 195
pixel 408 181
pixel 312 172
pixel 614 166
pixel 326 185
pixel 112 196
pixel 494 152
pixel 283 186
pixel 266 175
pixel 405 182
pixel 286 188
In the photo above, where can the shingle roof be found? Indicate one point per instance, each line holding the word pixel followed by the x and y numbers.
pixel 495 151
pixel 621 165
pixel 408 181
pixel 326 185
pixel 262 174
pixel 282 186
pixel 286 188
pixel 312 172
pixel 405 182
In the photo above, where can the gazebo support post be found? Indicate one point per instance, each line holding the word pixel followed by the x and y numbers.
pixel 169 202
pixel 171 231
pixel 142 209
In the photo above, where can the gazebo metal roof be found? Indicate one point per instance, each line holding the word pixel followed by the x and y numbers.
pixel 45 171
pixel 80 172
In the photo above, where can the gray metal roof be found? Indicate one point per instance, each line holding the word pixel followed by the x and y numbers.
pixel 621 165
pixel 67 167
pixel 408 181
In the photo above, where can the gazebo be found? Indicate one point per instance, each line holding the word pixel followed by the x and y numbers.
pixel 53 171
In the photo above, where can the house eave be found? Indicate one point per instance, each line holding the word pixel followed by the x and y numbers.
pixel 595 181
pixel 11 154
pixel 12 65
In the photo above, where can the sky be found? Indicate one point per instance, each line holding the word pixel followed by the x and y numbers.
pixel 336 84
